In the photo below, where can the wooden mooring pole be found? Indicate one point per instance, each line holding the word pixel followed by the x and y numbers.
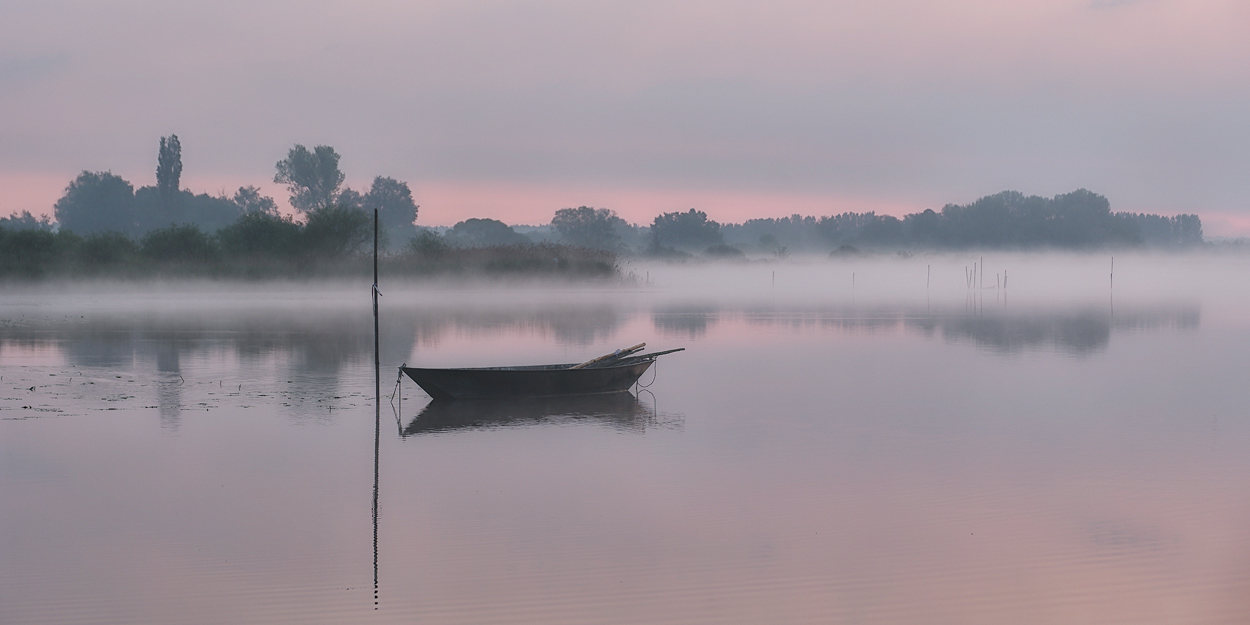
pixel 377 407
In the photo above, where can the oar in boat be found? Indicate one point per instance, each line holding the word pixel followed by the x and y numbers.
pixel 639 358
pixel 620 353
pixel 652 355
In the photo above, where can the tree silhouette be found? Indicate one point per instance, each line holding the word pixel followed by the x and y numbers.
pixel 97 202
pixel 312 176
pixel 691 230
pixel 169 172
pixel 251 201
pixel 393 199
pixel 483 233
pixel 587 227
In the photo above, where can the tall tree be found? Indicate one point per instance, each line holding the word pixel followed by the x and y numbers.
pixel 169 171
pixel 691 229
pixel 312 176
pixel 587 227
pixel 251 201
pixel 393 199
pixel 97 202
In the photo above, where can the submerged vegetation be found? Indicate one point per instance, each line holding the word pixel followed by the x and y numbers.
pixel 104 226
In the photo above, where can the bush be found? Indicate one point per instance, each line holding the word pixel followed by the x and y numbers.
pixel 337 230
pixel 260 245
pixel 185 243
pixel 845 251
pixel 655 250
pixel 428 244
pixel 260 234
pixel 724 251
pixel 27 252
pixel 536 259
pixel 542 258
pixel 106 248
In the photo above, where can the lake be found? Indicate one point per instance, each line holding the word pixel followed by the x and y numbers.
pixel 882 440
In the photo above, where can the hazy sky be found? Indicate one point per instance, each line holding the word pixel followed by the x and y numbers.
pixel 514 109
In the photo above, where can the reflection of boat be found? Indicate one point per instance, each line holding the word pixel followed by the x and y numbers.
pixel 619 410
pixel 533 381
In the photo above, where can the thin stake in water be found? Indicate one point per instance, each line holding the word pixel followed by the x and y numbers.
pixel 377 407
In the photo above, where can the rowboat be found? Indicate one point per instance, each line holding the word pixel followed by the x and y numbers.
pixel 613 373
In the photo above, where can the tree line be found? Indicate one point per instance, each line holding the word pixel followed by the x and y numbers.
pixel 1008 220
pixel 102 215
pixel 104 226
pixel 100 201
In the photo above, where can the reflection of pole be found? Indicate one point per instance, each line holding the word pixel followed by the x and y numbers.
pixel 377 408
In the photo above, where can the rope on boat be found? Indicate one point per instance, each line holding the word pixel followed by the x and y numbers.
pixel 398 379
pixel 655 368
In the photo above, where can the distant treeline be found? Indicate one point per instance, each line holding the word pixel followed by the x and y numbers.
pixel 1077 220
pixel 1008 220
pixel 102 218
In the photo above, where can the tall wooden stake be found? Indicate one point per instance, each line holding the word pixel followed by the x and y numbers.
pixel 377 408
pixel 377 359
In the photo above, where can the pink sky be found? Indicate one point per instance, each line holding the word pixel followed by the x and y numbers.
pixel 743 109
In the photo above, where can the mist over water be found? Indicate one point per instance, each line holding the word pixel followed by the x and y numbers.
pixel 866 439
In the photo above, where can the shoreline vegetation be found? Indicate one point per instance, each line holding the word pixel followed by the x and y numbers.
pixel 187 252
pixel 104 227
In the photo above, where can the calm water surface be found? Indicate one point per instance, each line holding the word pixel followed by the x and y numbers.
pixel 823 452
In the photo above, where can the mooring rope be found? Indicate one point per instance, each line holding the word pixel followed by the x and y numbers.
pixel 654 372
pixel 398 379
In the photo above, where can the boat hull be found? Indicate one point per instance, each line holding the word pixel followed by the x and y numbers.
pixel 616 410
pixel 535 381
